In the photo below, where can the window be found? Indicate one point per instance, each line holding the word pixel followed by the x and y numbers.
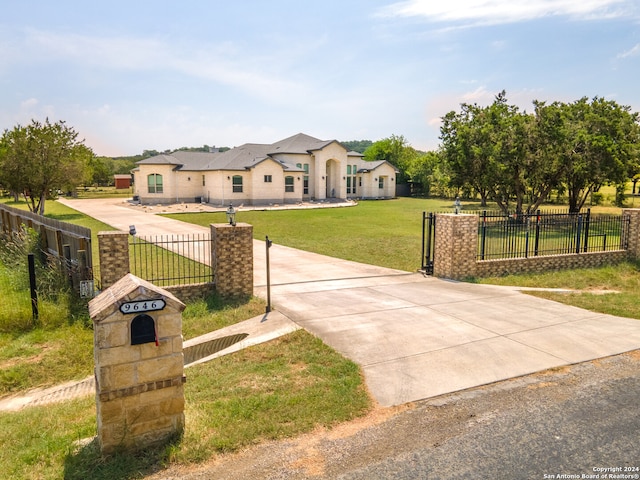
pixel 381 182
pixel 203 181
pixel 306 185
pixel 351 180
pixel 268 179
pixel 306 168
pixel 288 184
pixel 154 183
pixel 237 184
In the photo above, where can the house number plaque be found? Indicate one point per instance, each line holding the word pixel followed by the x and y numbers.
pixel 143 306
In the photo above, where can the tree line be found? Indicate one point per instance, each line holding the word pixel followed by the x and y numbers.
pixel 496 152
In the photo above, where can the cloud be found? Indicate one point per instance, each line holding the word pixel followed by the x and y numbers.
pixel 493 12
pixel 635 50
pixel 222 62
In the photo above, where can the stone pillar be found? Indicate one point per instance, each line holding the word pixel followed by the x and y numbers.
pixel 455 246
pixel 232 254
pixel 633 239
pixel 139 365
pixel 113 249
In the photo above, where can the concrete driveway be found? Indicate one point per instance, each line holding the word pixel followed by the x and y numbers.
pixel 414 337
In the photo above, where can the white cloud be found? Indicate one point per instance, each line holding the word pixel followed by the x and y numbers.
pixel 635 50
pixel 221 63
pixel 492 12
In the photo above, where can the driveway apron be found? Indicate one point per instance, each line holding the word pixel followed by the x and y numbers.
pixel 415 337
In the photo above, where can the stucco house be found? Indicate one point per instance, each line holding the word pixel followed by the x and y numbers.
pixel 296 169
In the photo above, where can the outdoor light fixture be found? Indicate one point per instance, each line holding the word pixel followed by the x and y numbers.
pixel 457 206
pixel 231 215
pixel 132 229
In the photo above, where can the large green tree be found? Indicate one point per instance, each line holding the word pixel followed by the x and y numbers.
pixel 396 150
pixel 486 149
pixel 518 159
pixel 602 147
pixel 41 158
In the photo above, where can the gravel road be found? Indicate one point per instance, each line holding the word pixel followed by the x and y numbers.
pixel 562 423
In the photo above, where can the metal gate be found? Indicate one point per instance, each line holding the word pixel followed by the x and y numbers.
pixel 428 242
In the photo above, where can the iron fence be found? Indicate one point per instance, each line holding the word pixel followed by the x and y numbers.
pixel 549 233
pixel 169 260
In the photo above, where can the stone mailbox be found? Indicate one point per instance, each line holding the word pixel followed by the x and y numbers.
pixel 139 365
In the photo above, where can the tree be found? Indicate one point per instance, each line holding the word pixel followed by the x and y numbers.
pixel 395 150
pixel 40 159
pixel 508 156
pixel 486 148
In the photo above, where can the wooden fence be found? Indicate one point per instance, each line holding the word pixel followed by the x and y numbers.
pixel 70 243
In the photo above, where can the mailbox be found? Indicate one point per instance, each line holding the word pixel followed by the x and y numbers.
pixel 139 364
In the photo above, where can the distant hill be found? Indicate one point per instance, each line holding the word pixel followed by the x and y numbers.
pixel 357 145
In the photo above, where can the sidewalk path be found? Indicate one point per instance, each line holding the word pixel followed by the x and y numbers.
pixel 414 337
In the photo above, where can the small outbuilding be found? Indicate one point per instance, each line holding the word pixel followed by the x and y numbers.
pixel 122 181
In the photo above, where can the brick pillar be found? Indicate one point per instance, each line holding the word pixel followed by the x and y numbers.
pixel 455 246
pixel 232 254
pixel 113 248
pixel 633 240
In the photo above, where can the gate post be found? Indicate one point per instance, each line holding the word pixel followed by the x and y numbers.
pixel 113 248
pixel 232 257
pixel 456 245
pixel 633 239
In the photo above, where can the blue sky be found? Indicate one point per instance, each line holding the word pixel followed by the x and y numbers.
pixel 135 75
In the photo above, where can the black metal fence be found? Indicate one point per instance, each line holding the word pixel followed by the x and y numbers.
pixel 169 260
pixel 549 233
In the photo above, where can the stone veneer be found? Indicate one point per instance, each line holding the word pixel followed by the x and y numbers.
pixel 139 388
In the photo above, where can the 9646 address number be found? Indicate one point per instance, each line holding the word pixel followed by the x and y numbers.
pixel 143 306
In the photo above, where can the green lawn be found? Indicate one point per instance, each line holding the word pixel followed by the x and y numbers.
pixel 379 232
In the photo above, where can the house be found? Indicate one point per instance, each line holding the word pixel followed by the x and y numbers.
pixel 296 169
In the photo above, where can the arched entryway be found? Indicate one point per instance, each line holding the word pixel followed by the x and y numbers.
pixel 333 178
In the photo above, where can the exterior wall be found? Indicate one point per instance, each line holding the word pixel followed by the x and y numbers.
pixel 371 186
pixel 168 194
pixel 187 185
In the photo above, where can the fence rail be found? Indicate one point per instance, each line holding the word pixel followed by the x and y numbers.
pixel 69 243
pixel 549 233
pixel 169 260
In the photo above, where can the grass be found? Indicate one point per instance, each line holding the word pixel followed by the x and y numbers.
pixel 385 233
pixel 622 281
pixel 274 390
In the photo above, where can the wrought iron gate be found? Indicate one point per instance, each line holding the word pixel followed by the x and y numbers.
pixel 428 242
